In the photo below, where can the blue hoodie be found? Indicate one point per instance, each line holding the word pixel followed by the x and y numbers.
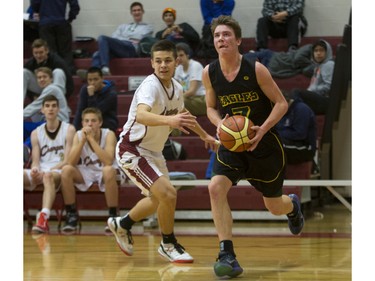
pixel 54 12
pixel 105 100
pixel 297 128
pixel 211 10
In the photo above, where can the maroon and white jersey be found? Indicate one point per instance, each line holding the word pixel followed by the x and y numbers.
pixel 89 158
pixel 51 150
pixel 162 101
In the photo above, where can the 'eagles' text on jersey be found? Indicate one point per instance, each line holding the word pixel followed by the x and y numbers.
pixel 242 96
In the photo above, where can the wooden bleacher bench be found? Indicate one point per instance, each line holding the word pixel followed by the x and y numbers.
pixel 92 199
pixel 197 198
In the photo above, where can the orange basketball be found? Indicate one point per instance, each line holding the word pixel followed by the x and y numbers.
pixel 235 133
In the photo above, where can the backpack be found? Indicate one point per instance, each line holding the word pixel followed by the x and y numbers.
pixel 173 150
pixel 145 46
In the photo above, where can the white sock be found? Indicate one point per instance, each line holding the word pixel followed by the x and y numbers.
pixel 46 211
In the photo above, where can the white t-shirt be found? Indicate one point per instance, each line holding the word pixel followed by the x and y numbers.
pixel 162 102
pixel 194 72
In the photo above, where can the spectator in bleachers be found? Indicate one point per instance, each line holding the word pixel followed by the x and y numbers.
pixel 281 19
pixel 316 96
pixel 285 64
pixel 91 159
pixel 177 33
pixel 31 113
pixel 43 57
pixel 50 142
pixel 101 94
pixel 297 129
pixel 211 9
pixel 124 40
pixel 189 74
pixel 55 26
pixel 49 86
pixel 30 26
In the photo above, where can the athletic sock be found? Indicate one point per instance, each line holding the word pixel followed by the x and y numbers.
pixel 227 246
pixel 112 211
pixel 47 212
pixel 126 222
pixel 71 208
pixel 169 238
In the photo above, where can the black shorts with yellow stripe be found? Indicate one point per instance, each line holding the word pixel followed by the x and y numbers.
pixel 264 167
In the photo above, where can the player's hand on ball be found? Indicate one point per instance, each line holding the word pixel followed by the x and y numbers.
pixel 236 134
pixel 259 133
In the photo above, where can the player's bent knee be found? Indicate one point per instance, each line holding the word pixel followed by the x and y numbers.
pixel 67 171
pixel 48 177
pixel 216 191
pixel 167 194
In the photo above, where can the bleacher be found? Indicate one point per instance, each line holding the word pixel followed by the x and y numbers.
pixel 197 198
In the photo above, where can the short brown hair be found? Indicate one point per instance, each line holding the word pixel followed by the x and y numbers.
pixel 136 4
pixel 39 43
pixel 94 110
pixel 50 98
pixel 45 70
pixel 164 45
pixel 228 21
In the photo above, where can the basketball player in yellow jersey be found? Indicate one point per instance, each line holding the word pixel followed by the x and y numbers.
pixel 244 86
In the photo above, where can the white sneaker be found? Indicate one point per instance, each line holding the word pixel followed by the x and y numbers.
pixel 174 253
pixel 123 236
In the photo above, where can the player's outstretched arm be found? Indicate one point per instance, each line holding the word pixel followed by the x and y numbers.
pixel 179 121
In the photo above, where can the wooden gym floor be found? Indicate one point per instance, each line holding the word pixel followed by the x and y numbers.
pixel 265 249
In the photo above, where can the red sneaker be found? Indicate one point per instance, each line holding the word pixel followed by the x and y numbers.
pixel 41 225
